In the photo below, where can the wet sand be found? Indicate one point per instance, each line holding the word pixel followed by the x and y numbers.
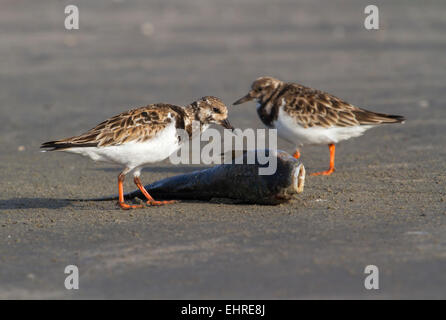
pixel 385 205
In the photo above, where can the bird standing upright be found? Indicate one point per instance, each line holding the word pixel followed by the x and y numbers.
pixel 305 116
pixel 141 136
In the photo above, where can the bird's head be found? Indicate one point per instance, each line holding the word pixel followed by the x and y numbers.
pixel 213 110
pixel 261 87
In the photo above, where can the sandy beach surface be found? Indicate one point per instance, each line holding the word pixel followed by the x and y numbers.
pixel 385 205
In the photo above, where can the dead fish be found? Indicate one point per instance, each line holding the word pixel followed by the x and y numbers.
pixel 239 182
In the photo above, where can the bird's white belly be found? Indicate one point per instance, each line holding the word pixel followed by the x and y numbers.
pixel 290 130
pixel 134 154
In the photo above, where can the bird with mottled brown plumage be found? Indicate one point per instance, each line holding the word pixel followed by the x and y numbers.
pixel 306 116
pixel 144 135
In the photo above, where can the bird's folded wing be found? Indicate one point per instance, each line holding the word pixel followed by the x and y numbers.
pixel 137 125
pixel 313 108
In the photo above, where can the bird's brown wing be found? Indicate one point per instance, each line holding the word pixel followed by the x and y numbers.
pixel 313 108
pixel 137 125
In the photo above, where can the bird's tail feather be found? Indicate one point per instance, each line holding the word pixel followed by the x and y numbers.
pixel 366 117
pixel 60 145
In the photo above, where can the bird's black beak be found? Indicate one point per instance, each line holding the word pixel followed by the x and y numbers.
pixel 246 98
pixel 225 123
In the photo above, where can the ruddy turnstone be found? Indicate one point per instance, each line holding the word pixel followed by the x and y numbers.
pixel 141 136
pixel 304 115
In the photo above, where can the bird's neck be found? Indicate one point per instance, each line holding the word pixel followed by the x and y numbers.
pixel 192 121
pixel 193 112
pixel 269 104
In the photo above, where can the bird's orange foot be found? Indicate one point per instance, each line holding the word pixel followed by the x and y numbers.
pixel 126 206
pixel 296 154
pixel 323 173
pixel 160 203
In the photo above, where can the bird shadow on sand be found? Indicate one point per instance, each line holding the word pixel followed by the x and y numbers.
pixel 34 203
pixel 86 204
pixel 54 204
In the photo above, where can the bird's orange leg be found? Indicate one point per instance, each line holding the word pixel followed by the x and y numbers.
pixel 332 161
pixel 122 204
pixel 150 200
pixel 296 154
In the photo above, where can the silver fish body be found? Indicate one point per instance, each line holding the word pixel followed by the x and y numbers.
pixel 240 182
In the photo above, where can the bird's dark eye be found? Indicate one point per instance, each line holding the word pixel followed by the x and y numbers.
pixel 216 110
